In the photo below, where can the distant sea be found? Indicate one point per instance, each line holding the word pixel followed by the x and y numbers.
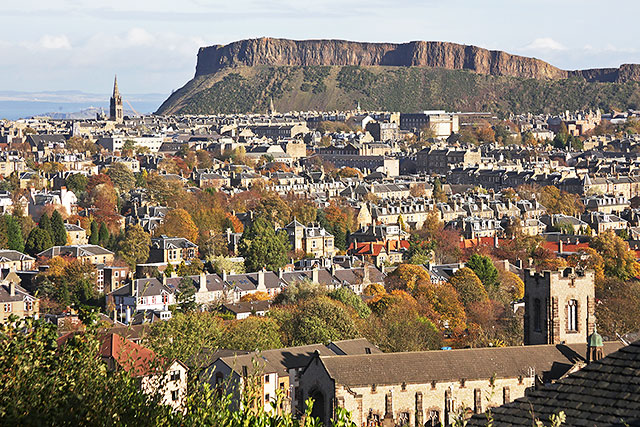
pixel 18 105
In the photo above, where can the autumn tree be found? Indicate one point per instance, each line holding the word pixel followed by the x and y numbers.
pixel 405 277
pixel 441 303
pixel 121 176
pixel 468 286
pixel 178 223
pixel 134 247
pixel 619 260
pixel 255 296
pixel 619 308
pixel 588 259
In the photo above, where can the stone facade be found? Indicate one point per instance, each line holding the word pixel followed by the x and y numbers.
pixel 559 306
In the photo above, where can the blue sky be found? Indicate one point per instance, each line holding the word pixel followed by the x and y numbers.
pixel 152 44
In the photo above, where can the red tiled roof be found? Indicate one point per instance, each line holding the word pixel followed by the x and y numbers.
pixel 566 247
pixel 135 359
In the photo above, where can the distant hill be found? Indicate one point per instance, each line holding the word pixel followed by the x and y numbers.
pixel 335 74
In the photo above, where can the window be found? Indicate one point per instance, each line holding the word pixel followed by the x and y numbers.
pixel 537 315
pixel 266 379
pixel 165 299
pixel 7 307
pixel 267 398
pixel 28 305
pixel 175 375
pixel 175 394
pixel 313 243
pixel 329 243
pixel 572 316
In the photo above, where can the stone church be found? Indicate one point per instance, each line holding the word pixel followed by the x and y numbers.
pixel 434 388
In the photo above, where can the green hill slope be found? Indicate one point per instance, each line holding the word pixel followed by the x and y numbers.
pixel 404 89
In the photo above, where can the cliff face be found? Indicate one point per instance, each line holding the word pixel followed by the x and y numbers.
pixel 278 52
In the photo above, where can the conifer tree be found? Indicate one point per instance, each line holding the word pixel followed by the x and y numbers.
pixel 15 241
pixel 59 232
pixel 94 238
pixel 103 234
pixel 45 224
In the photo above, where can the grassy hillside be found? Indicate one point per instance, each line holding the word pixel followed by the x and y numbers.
pixel 405 89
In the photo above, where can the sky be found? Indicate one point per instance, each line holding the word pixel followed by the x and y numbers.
pixel 152 44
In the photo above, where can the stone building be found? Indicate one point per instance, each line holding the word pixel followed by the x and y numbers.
pixel 431 387
pixel 116 111
pixel 559 306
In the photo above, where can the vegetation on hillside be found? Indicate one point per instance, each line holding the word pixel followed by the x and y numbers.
pixel 405 89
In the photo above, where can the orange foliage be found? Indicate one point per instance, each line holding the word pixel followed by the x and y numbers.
pixel 256 296
pixel 178 223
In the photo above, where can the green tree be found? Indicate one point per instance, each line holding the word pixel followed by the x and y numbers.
pixel 262 247
pixel 121 176
pixel 15 241
pixel 321 320
pixel 38 241
pixel 252 333
pixel 186 295
pixel 484 269
pixel 468 286
pixel 103 234
pixel 59 232
pixel 350 299
pixel 45 224
pixel 77 183
pixel 134 247
pixel 94 237
pixel 439 194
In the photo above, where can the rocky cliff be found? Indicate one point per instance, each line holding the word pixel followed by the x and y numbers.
pixel 335 74
pixel 452 56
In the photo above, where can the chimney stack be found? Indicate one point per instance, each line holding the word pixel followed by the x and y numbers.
pixel 315 277
pixel 12 289
pixel 203 282
pixel 261 278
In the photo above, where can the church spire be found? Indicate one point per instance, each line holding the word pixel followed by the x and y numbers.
pixel 116 92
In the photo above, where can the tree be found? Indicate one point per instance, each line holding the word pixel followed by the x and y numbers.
pixel 252 333
pixel 619 260
pixel 262 247
pixel 121 176
pixel 468 286
pixel 186 295
pixel 59 233
pixel 15 240
pixel 350 299
pixel 94 237
pixel 405 277
pixel 77 183
pixel 441 303
pixel 103 234
pixel 134 247
pixel 45 224
pixel 299 291
pixel 439 194
pixel 484 269
pixel 619 308
pixel 511 285
pixel 178 223
pixel 38 241
pixel 321 320
pixel 589 259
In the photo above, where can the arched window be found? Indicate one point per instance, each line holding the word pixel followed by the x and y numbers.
pixel 537 315
pixel 572 316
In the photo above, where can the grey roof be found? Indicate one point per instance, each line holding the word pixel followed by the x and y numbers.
pixel 604 393
pixel 11 255
pixel 548 361
pixel 75 251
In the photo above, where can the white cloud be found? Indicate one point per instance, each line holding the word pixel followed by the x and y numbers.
pixel 139 37
pixel 54 42
pixel 544 44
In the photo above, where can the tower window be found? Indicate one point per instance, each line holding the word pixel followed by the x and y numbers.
pixel 572 316
pixel 537 315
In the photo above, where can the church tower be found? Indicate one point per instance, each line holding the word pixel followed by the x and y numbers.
pixel 116 112
pixel 559 306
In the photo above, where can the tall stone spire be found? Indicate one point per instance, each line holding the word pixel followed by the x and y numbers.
pixel 116 111
pixel 116 92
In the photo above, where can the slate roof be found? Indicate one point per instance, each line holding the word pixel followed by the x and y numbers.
pixel 75 251
pixel 604 393
pixel 11 255
pixel 547 361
